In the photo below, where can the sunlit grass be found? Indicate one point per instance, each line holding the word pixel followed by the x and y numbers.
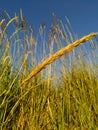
pixel 36 94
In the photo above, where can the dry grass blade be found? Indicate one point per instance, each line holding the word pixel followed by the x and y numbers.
pixel 13 19
pixel 58 54
pixel 1 22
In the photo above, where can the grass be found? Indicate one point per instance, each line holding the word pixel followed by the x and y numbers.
pixel 60 96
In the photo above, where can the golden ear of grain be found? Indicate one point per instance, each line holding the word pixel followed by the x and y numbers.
pixel 58 54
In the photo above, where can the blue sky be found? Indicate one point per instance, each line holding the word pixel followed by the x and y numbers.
pixel 83 14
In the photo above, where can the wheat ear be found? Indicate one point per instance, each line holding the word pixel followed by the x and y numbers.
pixel 58 54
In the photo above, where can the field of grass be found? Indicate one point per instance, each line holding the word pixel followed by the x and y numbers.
pixel 47 82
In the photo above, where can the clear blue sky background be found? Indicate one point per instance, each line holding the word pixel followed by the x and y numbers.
pixel 83 14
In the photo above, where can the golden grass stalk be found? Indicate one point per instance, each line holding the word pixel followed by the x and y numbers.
pixel 13 19
pixel 1 22
pixel 58 54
